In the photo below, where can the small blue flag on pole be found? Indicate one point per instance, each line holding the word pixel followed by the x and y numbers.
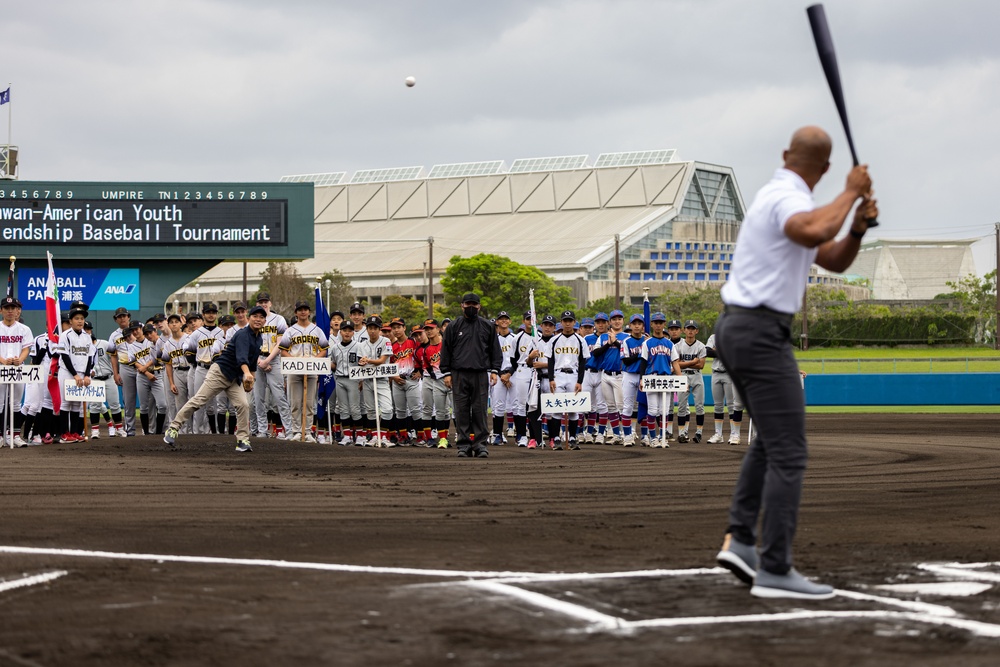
pixel 5 96
pixel 326 385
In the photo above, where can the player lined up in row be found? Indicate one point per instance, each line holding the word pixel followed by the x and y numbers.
pixel 164 362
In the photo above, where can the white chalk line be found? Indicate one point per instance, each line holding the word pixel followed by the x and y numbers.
pixel 33 580
pixel 501 582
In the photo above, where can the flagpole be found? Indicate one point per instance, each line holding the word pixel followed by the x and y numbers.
pixel 10 111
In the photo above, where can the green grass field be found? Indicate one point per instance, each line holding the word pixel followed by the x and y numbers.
pixel 900 360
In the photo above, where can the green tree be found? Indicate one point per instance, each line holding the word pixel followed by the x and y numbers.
pixel 978 297
pixel 502 284
pixel 411 310
pixel 282 281
pixel 341 291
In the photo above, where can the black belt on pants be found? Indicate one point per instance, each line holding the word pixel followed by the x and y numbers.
pixel 181 368
pixel 566 370
pixel 204 365
pixel 612 372
pixel 593 370
pixel 101 377
pixel 785 318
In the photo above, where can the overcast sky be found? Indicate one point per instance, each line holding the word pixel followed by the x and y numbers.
pixel 246 90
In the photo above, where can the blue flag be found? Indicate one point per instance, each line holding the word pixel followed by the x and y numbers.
pixel 326 385
pixel 5 96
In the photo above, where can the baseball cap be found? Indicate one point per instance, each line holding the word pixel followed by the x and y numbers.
pixel 77 308
pixel 636 318
pixel 502 314
pixel 336 313
pixel 658 317
pixel 263 296
pixel 252 311
pixel 691 324
pixel 416 329
pixel 548 319
pixel 430 324
pixel 587 322
pixel 674 323
pixel 386 328
pixel 88 325
pixel 397 321
pixel 210 308
pixel 133 325
pixel 347 324
pixel 601 316
pixel 121 311
pixel 302 304
pixel 446 320
pixel 148 329
pixel 470 297
pixel 374 321
pixel 527 315
pixel 226 319
pixel 568 315
pixel 617 313
pixel 10 302
pixel 356 307
pixel 174 316
pixel 238 305
pixel 64 317
pixel 159 317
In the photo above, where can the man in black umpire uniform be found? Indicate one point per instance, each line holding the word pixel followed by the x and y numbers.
pixel 470 348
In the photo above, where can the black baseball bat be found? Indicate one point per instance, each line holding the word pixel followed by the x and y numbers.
pixel 828 58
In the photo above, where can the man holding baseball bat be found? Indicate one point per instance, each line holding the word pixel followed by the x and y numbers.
pixel 231 372
pixel 783 234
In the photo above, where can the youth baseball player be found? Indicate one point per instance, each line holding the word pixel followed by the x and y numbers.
pixel 269 378
pixel 76 350
pixel 659 357
pixel 405 386
pixel 435 400
pixel 566 368
pixel 303 339
pixel 344 355
pixel 375 352
pixel 502 393
pixel 692 353
pixel 177 368
pixel 15 345
pixel 631 351
pixel 725 395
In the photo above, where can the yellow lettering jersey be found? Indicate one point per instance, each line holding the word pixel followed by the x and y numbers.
pixel 304 341
pixel 274 328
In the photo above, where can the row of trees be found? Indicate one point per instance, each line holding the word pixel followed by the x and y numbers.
pixel 967 315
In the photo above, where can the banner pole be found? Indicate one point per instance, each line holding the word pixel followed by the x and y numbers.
pixel 305 398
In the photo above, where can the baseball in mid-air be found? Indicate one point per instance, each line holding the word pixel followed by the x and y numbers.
pixel 411 82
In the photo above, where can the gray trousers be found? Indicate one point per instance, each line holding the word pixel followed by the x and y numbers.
pixel 436 399
pixel 348 398
pixel 724 390
pixel 406 398
pixel 757 351
pixel 150 396
pixel 696 386
pixel 129 395
pixel 216 383
pixel 181 397
pixel 272 381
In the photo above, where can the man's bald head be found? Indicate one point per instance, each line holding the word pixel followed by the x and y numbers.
pixel 808 154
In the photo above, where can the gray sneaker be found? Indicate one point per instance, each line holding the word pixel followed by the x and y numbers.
pixel 243 446
pixel 738 558
pixel 789 585
pixel 170 437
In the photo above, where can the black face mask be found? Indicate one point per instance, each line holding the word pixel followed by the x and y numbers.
pixel 471 312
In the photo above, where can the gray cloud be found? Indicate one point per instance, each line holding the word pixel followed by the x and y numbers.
pixel 248 90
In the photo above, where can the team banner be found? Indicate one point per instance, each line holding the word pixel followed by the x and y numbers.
pixel 305 365
pixel 368 372
pixel 21 375
pixel 102 289
pixel 90 394
pixel 657 383
pixel 566 402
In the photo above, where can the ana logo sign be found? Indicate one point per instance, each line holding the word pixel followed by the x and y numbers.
pixel 119 289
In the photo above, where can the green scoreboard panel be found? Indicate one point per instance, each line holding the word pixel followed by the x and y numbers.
pixel 115 221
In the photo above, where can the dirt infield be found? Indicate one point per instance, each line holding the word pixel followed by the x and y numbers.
pixel 465 543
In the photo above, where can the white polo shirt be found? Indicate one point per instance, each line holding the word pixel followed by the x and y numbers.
pixel 769 269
